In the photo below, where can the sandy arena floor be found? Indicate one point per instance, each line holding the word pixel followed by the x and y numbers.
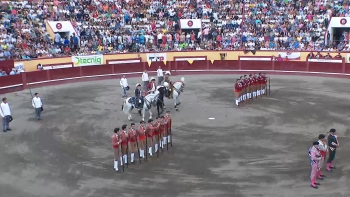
pixel 259 150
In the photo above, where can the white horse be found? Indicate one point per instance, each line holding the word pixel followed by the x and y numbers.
pixel 178 87
pixel 147 104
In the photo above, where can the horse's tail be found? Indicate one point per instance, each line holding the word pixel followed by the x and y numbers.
pixel 123 106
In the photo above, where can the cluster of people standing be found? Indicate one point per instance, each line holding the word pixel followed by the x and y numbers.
pixel 6 113
pixel 318 153
pixel 152 137
pixel 250 87
pixel 149 85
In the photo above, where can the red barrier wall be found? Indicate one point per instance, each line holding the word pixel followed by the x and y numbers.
pixel 110 71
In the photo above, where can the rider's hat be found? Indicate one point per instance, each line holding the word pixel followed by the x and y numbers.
pixel 138 84
pixel 167 73
pixel 153 79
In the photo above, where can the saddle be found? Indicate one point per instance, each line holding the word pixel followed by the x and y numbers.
pixel 137 102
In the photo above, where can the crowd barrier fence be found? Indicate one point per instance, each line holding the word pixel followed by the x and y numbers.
pixel 26 80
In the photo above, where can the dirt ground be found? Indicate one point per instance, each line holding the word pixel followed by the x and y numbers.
pixel 259 150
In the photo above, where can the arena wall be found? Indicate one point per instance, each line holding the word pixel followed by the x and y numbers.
pixel 31 65
pixel 189 64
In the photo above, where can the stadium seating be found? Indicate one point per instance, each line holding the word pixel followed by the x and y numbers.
pixel 119 26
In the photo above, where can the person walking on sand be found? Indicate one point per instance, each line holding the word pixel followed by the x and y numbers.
pixel 5 112
pixel 124 85
pixel 38 106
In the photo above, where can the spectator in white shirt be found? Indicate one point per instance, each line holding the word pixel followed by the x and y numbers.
pixel 125 86
pixel 145 80
pixel 5 113
pixel 38 106
pixel 160 76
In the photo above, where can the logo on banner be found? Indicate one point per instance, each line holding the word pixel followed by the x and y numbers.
pixel 343 21
pixel 87 60
pixel 156 57
pixel 190 23
pixel 58 25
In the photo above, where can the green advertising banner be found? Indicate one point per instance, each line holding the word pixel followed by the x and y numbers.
pixel 87 60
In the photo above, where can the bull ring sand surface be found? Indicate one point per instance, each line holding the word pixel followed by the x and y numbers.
pixel 259 150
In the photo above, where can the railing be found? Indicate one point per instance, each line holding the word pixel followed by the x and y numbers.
pixel 336 68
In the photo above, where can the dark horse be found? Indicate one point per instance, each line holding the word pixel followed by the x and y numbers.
pixel 163 91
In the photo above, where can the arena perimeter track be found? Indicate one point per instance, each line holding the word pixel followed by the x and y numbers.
pixel 259 150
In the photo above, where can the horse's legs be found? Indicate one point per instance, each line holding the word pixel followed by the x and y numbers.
pixel 143 114
pixel 175 103
pixel 129 114
pixel 150 114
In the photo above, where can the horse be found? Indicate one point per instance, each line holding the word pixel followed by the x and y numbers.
pixel 148 100
pixel 163 91
pixel 178 87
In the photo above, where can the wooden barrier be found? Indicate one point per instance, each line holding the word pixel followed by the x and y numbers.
pixel 111 71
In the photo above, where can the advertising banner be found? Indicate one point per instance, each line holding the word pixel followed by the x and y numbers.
pixel 156 57
pixel 87 60
pixel 255 58
pixel 290 55
pixel 190 23
pixel 19 66
pixel 326 60
pixel 348 58
pixel 189 58
pixel 56 66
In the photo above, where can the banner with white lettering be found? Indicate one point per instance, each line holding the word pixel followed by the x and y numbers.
pixel 87 60
pixel 190 23
pixel 290 55
pixel 156 57
pixel 326 60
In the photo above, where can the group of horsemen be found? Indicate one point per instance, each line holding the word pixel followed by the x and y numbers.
pixel 151 89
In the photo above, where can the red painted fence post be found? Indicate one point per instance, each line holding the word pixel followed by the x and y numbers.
pixel 24 80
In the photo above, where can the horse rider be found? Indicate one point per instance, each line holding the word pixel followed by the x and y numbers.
pixel 151 87
pixel 138 96
pixel 167 79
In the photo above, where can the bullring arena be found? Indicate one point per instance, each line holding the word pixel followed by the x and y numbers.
pixel 257 150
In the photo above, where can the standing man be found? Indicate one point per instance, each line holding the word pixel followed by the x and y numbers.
pixel 124 137
pixel 333 145
pixel 132 139
pixel 5 113
pixel 38 106
pixel 145 80
pixel 322 146
pixel 149 133
pixel 168 121
pixel 141 132
pixel 160 76
pixel 156 134
pixel 116 140
pixel 314 160
pixel 124 85
pixel 163 125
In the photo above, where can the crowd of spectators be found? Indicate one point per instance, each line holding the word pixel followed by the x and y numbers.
pixel 119 26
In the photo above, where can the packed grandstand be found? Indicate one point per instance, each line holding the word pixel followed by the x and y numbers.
pixel 119 26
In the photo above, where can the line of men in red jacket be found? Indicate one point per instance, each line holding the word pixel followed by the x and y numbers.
pixel 249 87
pixel 155 134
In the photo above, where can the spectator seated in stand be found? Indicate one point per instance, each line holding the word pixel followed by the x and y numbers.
pixel 118 26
